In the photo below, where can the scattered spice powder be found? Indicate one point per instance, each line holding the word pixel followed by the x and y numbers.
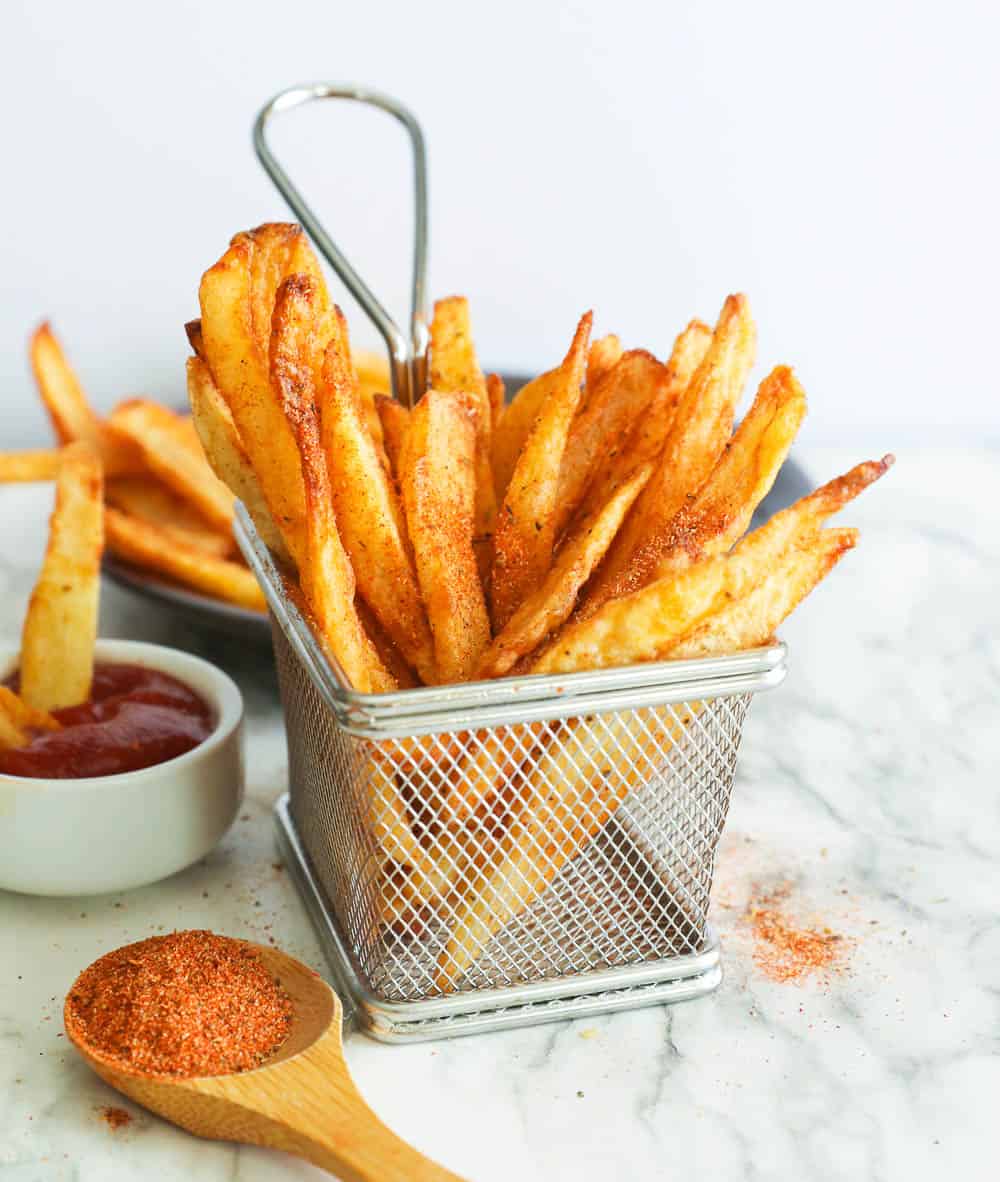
pixel 189 1003
pixel 115 1118
pixel 785 952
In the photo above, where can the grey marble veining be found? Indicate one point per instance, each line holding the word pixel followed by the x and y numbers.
pixel 868 791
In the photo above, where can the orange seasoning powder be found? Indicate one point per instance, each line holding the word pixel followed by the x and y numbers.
pixel 785 952
pixel 191 1003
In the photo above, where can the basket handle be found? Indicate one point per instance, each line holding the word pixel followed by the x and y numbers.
pixel 408 356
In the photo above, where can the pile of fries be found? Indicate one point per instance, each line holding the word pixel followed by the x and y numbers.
pixel 167 513
pixel 590 522
pixel 56 665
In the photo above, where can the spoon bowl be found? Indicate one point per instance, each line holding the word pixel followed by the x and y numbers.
pixel 301 1100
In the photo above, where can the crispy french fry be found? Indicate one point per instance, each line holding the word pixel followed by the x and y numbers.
pixel 720 513
pixel 151 548
pixel 237 301
pixel 395 419
pixel 222 446
pixel 526 524
pixel 152 501
pixel 57 641
pixel 71 414
pixel 647 624
pixel 515 426
pixel 369 514
pixel 18 467
pixel 550 606
pixel 325 572
pixel 372 373
pixel 438 481
pixel 402 675
pixel 620 399
pixel 496 391
pixel 167 444
pixel 195 339
pixel 18 720
pixel 645 441
pixel 603 356
pixel 454 367
pixel 568 797
pixel 699 432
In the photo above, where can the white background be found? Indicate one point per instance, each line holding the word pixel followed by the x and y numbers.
pixel 837 162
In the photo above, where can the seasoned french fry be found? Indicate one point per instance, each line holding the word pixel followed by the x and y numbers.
pixel 644 442
pixel 548 607
pixel 57 641
pixel 603 356
pixel 496 391
pixel 237 301
pixel 621 399
pixel 699 432
pixel 369 515
pixel 71 414
pixel 222 446
pixel 136 541
pixel 195 339
pixel 515 426
pixel 568 797
pixel 147 498
pixel 720 513
pixel 167 445
pixel 18 720
pixel 325 572
pixel 454 367
pixel 402 675
pixel 647 624
pixel 437 477
pixel 18 467
pixel 395 419
pixel 526 524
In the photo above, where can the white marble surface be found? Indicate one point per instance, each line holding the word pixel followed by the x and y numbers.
pixel 869 781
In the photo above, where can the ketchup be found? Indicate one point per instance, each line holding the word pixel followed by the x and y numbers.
pixel 135 718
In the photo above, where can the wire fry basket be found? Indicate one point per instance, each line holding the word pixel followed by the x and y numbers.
pixel 499 853
pixel 592 897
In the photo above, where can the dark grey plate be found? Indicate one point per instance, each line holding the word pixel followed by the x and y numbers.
pixel 203 612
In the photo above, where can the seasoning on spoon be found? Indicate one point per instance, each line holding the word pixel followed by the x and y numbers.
pixel 187 1004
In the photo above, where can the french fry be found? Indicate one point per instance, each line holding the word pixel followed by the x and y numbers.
pixel 515 426
pixel 496 391
pixel 437 476
pixel 369 514
pixel 147 546
pixel 18 720
pixel 60 627
pixel 195 339
pixel 325 571
pixel 152 501
pixel 526 524
pixel 646 624
pixel 402 675
pixel 237 301
pixel 644 442
pixel 395 419
pixel 17 467
pixel 550 606
pixel 561 804
pixel 455 368
pixel 699 432
pixel 222 446
pixel 167 445
pixel 72 416
pixel 372 372
pixel 621 398
pixel 603 356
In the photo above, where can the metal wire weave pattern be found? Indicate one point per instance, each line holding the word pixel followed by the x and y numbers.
pixel 459 861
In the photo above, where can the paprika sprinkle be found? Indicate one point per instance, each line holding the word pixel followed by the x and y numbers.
pixel 191 1003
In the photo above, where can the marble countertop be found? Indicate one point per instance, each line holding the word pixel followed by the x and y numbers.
pixel 866 799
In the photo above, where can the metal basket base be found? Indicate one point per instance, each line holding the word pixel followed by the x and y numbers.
pixel 677 978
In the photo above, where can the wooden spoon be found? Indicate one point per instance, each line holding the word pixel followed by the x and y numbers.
pixel 302 1100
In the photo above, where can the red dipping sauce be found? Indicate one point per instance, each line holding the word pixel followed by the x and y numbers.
pixel 135 718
